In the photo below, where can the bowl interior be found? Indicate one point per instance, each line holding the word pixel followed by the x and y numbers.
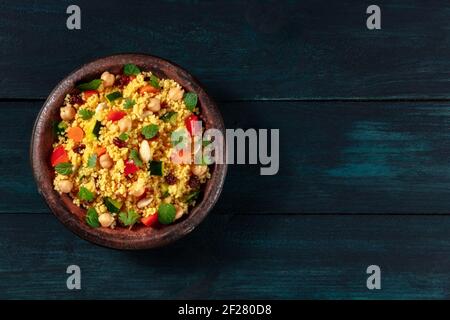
pixel 71 215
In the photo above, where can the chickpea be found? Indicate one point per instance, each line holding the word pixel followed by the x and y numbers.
pixel 108 79
pixel 175 94
pixel 125 125
pixel 105 219
pixel 105 161
pixel 65 186
pixel 67 113
pixel 179 213
pixel 154 105
pixel 137 189
pixel 199 170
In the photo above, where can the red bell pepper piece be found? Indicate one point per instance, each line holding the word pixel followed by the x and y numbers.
pixel 116 115
pixel 130 167
pixel 189 123
pixel 150 220
pixel 59 155
pixel 89 93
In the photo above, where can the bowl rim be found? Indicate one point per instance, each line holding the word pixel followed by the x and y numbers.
pixel 55 201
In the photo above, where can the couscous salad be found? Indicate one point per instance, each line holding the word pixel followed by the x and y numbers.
pixel 112 155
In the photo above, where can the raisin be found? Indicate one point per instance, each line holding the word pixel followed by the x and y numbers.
pixel 119 143
pixel 76 99
pixel 78 148
pixel 122 80
pixel 194 182
pixel 171 179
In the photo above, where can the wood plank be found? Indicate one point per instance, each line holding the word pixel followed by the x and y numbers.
pixel 240 50
pixel 236 257
pixel 334 158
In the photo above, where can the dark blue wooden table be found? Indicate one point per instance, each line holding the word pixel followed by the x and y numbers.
pixel 364 119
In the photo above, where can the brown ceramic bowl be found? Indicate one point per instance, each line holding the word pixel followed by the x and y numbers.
pixel 70 215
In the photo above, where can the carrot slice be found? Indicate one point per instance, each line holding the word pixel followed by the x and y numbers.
pixel 148 88
pixel 75 133
pixel 100 150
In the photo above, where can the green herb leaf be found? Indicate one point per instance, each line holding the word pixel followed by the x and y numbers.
pixel 64 168
pixel 98 125
pixel 150 131
pixel 134 155
pixel 113 96
pixel 131 69
pixel 92 161
pixel 92 85
pixel 166 213
pixel 123 136
pixel 112 205
pixel 129 103
pixel 154 81
pixel 92 218
pixel 170 116
pixel 190 100
pixel 191 197
pixel 85 195
pixel 86 114
pixel 129 218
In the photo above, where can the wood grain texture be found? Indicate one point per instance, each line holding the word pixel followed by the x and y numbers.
pixel 240 49
pixel 347 157
pixel 234 256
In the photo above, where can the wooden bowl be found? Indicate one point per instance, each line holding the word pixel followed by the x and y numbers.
pixel 70 215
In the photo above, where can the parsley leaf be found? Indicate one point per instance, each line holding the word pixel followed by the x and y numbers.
pixel 64 168
pixel 92 85
pixel 86 114
pixel 129 103
pixel 134 155
pixel 92 161
pixel 113 96
pixel 92 218
pixel 129 218
pixel 154 81
pixel 123 136
pixel 85 194
pixel 131 69
pixel 166 213
pixel 150 131
pixel 190 100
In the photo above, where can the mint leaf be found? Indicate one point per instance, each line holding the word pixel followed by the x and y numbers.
pixel 131 69
pixel 92 85
pixel 150 131
pixel 92 161
pixel 92 218
pixel 190 100
pixel 192 196
pixel 129 218
pixel 123 136
pixel 129 103
pixel 85 195
pixel 134 155
pixel 64 168
pixel 166 213
pixel 113 96
pixel 86 114
pixel 154 81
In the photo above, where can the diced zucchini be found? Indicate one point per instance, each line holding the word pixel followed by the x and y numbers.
pixel 112 205
pixel 164 190
pixel 156 168
pixel 96 129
